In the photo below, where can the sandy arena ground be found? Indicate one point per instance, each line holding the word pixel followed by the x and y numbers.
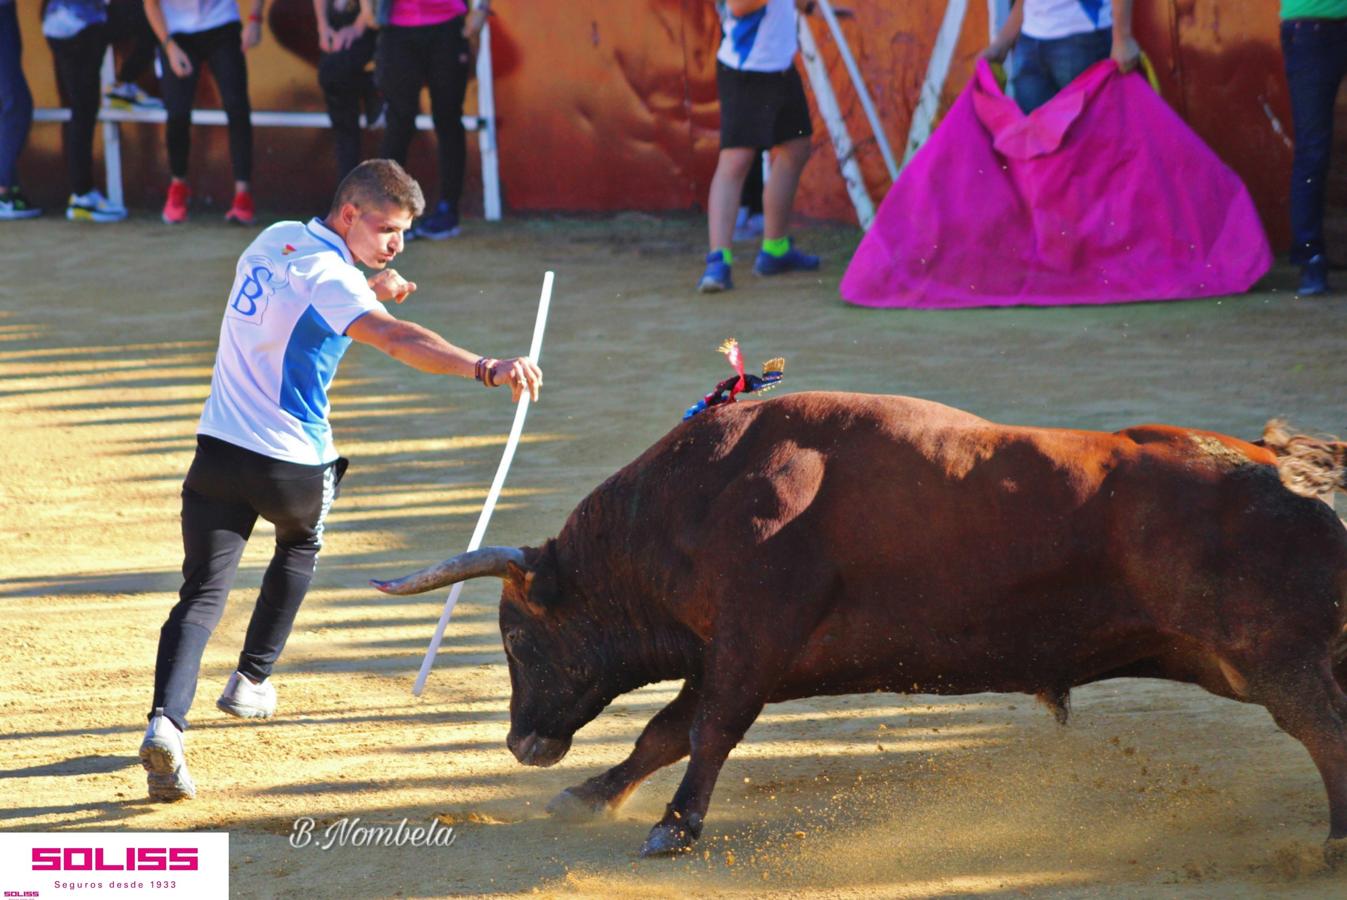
pixel 106 341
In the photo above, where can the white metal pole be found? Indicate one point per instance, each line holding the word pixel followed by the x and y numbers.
pixel 535 352
pixel 862 91
pixel 112 138
pixel 928 104
pixel 837 126
pixel 486 136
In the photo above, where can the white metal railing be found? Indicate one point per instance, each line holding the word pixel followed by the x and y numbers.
pixel 484 123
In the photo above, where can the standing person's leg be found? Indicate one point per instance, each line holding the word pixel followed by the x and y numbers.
pixel 1032 85
pixel 179 91
pixel 449 64
pixel 1066 58
pixel 127 24
pixel 791 133
pixel 344 82
pixel 1314 52
pixel 748 221
pixel 400 71
pixel 16 117
pixel 78 62
pixel 722 204
pixel 224 55
pixel 296 499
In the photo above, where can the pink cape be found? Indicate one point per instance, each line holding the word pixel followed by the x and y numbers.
pixel 1103 195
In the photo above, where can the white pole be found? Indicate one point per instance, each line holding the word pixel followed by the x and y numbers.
pixel 837 127
pixel 535 352
pixel 862 91
pixel 923 117
pixel 486 134
pixel 112 139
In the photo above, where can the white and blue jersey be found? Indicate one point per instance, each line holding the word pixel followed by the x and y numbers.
pixel 1048 20
pixel 296 291
pixel 765 40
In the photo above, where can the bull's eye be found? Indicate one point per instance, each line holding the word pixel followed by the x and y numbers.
pixel 512 638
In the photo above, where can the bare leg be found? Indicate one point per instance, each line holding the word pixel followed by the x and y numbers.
pixel 727 185
pixel 779 196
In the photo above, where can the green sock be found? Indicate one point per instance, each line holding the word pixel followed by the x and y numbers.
pixel 726 255
pixel 776 246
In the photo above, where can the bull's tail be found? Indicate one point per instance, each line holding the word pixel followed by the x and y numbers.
pixel 1309 465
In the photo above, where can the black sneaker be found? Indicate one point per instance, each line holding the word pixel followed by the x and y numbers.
pixel 15 205
pixel 441 224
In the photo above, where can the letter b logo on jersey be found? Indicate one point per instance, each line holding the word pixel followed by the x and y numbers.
pixel 253 287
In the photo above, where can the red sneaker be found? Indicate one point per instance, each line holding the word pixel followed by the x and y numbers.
pixel 242 211
pixel 175 207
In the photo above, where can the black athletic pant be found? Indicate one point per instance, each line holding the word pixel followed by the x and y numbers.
pixel 220 49
pixel 346 81
pixel 78 60
pixel 226 489
pixel 408 59
pixel 127 22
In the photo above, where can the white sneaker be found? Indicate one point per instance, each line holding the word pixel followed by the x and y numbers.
pixel 748 226
pixel 162 755
pixel 93 207
pixel 246 700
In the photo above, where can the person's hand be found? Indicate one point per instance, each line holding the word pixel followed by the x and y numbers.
pixel 178 60
pixel 345 37
pixel 473 25
pixel 1126 53
pixel 326 38
pixel 252 34
pixel 521 372
pixel 389 285
pixel 996 52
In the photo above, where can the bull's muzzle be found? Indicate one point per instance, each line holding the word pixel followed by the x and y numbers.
pixel 532 750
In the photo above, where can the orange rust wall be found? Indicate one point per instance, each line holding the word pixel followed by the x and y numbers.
pixel 610 104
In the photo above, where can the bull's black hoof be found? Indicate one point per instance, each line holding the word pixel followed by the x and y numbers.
pixel 667 840
pixel 1335 853
pixel 568 806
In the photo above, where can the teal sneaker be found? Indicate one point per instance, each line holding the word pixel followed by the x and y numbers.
pixel 15 205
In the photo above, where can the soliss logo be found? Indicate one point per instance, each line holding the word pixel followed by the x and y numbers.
pixel 96 859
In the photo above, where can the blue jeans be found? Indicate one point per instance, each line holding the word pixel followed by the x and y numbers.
pixel 16 103
pixel 1316 61
pixel 1042 68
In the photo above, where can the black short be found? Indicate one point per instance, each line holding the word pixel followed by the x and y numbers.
pixel 761 109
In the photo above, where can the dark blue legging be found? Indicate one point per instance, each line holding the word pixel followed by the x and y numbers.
pixel 1316 63
pixel 16 102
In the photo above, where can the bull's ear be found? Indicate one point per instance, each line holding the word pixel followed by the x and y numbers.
pixel 534 584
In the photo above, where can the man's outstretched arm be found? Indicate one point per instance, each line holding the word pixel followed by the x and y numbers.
pixel 423 349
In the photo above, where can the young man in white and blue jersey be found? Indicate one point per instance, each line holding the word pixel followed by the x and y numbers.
pixel 264 443
pixel 762 104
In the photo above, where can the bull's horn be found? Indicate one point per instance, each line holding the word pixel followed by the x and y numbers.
pixel 486 561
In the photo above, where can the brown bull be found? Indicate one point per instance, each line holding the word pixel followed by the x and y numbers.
pixel 828 543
